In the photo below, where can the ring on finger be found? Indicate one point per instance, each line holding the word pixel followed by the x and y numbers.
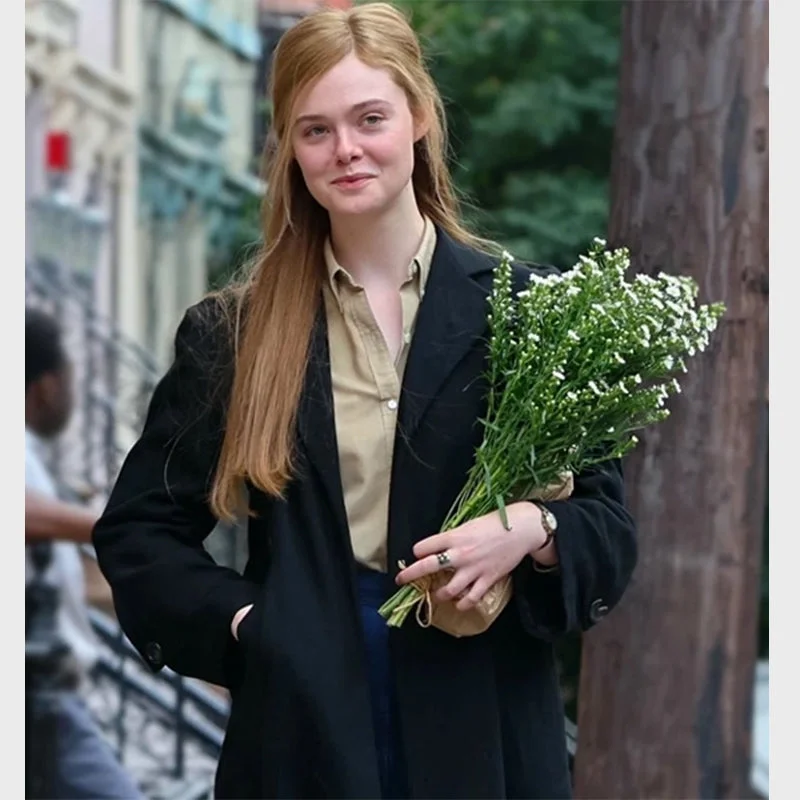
pixel 444 559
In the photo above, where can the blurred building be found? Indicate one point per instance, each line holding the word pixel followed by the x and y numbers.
pixel 139 174
pixel 81 165
pixel 199 60
pixel 82 259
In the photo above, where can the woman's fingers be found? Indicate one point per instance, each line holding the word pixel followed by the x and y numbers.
pixel 427 566
pixel 474 595
pixel 457 585
pixel 431 545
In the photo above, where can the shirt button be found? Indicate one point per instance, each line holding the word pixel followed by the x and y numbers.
pixel 392 405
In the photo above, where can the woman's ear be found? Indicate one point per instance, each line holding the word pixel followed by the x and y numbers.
pixel 421 127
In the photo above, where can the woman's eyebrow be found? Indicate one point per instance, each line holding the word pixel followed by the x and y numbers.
pixel 356 108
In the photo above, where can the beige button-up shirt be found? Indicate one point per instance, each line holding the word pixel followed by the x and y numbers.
pixel 366 393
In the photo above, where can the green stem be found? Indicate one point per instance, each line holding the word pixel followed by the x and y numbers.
pixel 402 595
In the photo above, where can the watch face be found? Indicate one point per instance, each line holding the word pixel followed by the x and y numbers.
pixel 551 519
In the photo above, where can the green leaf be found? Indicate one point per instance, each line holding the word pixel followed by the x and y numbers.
pixel 501 507
pixel 488 476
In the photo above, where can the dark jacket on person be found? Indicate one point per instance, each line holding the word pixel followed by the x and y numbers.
pixel 482 716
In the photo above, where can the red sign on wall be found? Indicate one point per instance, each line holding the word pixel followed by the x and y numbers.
pixel 57 151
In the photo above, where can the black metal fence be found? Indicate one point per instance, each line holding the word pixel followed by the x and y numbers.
pixel 166 729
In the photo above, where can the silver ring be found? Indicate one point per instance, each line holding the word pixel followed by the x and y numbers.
pixel 443 558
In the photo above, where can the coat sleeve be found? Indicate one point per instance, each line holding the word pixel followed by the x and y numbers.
pixel 172 600
pixel 597 551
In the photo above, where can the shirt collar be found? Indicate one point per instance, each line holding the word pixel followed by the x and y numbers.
pixel 419 267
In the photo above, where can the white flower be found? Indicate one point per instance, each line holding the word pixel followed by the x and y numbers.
pixel 679 311
pixel 595 388
pixel 673 290
pixel 572 336
pixel 558 374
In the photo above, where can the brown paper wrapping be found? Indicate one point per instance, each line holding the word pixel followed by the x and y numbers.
pixel 446 617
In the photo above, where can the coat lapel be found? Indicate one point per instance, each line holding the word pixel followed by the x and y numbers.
pixel 316 423
pixel 451 319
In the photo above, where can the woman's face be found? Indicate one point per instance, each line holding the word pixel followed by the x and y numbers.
pixel 353 136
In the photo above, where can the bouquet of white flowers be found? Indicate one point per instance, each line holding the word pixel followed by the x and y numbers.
pixel 577 363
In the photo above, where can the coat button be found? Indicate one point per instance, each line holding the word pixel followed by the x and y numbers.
pixel 153 655
pixel 597 610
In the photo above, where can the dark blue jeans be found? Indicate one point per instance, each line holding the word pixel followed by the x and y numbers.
pixel 373 589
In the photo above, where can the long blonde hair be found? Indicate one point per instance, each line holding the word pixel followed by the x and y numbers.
pixel 277 301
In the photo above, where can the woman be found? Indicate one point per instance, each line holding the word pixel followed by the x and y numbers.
pixel 334 397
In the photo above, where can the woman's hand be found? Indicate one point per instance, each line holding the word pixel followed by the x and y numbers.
pixel 481 552
pixel 237 620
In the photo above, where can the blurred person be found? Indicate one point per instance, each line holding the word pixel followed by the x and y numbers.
pixel 333 393
pixel 50 518
pixel 86 766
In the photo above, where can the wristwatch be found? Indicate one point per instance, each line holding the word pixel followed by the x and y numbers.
pixel 549 523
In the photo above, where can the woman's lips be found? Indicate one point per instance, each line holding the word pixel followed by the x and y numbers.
pixel 352 182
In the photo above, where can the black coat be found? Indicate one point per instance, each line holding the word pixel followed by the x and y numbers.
pixel 482 716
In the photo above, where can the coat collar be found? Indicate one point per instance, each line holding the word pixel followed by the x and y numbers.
pixel 451 319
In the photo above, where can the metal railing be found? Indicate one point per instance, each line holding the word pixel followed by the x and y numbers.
pixel 166 729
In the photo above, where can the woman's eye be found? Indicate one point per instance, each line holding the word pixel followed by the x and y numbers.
pixel 371 120
pixel 316 130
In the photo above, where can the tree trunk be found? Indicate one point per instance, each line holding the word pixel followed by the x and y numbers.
pixel 666 686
